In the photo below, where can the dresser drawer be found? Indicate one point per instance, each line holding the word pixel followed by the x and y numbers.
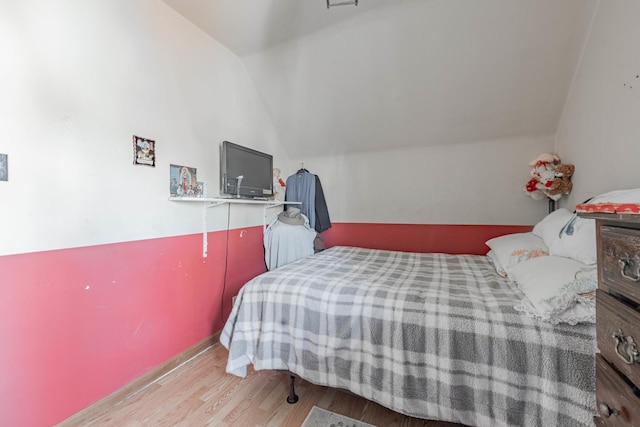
pixel 620 261
pixel 618 334
pixel 615 399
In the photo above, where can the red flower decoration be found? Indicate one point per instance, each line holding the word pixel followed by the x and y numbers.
pixel 531 185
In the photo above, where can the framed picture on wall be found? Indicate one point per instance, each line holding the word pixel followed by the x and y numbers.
pixel 183 181
pixel 144 151
pixel 201 190
pixel 4 167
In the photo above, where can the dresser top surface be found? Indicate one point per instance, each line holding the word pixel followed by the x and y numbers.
pixel 613 217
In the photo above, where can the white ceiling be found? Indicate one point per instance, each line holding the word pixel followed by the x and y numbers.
pixel 401 73
pixel 249 26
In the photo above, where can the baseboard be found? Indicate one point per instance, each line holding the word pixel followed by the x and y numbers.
pixel 103 406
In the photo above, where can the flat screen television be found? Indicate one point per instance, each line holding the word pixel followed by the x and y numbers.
pixel 245 173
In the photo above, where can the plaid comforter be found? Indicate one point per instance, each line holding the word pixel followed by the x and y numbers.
pixel 429 335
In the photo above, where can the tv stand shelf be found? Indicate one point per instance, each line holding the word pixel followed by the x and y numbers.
pixel 220 200
pixel 209 202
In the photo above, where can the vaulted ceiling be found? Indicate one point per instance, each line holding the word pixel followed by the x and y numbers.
pixel 402 73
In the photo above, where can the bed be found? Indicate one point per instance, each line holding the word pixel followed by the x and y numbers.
pixel 432 336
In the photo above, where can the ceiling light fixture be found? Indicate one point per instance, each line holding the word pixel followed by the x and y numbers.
pixel 331 3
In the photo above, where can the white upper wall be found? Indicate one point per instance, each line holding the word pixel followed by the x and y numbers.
pixel 426 111
pixel 600 127
pixel 78 80
pixel 475 183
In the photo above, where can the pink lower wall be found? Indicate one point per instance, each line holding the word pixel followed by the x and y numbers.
pixel 453 239
pixel 78 324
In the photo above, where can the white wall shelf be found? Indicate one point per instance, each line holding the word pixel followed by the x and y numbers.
pixel 209 202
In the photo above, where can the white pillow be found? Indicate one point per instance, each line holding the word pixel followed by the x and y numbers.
pixel 618 196
pixel 549 228
pixel 511 249
pixel 584 311
pixel 496 263
pixel 577 240
pixel 553 286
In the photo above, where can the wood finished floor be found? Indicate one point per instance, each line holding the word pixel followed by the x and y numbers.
pixel 200 393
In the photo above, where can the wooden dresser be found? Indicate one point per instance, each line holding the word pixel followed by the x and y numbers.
pixel 618 319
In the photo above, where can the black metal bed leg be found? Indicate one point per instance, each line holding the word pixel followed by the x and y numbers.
pixel 293 397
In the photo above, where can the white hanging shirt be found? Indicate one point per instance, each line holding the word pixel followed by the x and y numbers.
pixel 284 243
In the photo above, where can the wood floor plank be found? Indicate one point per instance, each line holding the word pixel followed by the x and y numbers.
pixel 201 393
pixel 124 413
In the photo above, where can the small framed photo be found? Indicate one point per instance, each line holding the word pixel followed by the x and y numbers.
pixel 144 151
pixel 183 181
pixel 4 167
pixel 201 190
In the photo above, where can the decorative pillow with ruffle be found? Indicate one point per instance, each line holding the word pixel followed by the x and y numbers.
pixel 557 289
pixel 512 249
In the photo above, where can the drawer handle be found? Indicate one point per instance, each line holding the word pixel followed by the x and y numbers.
pixel 626 261
pixel 629 353
pixel 606 411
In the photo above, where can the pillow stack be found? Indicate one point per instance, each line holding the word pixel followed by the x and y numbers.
pixel 554 266
pixel 557 289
